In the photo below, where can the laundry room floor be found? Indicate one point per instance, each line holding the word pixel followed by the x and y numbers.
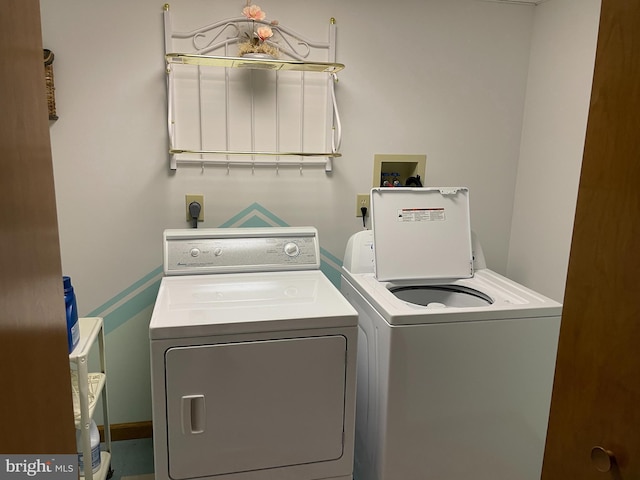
pixel 132 459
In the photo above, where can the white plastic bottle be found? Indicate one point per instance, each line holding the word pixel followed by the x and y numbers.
pixel 94 436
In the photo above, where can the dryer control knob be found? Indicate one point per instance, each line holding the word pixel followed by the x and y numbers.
pixel 194 252
pixel 291 249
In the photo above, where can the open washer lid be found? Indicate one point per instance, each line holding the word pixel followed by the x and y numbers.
pixel 421 233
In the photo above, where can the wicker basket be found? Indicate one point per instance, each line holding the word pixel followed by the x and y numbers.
pixel 48 75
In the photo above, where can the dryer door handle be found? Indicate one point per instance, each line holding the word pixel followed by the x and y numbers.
pixel 194 414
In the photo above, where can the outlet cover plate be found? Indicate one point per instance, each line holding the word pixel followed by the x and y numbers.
pixel 363 200
pixel 195 198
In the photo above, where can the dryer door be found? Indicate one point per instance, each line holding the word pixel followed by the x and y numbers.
pixel 248 406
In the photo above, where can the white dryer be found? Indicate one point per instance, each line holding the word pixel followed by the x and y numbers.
pixel 253 359
pixel 455 362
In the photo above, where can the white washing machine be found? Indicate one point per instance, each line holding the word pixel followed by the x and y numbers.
pixel 455 362
pixel 253 359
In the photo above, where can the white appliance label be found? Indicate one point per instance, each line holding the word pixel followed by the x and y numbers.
pixel 421 215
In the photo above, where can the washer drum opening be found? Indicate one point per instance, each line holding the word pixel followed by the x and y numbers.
pixel 440 296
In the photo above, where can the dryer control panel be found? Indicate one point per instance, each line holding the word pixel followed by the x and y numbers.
pixel 231 250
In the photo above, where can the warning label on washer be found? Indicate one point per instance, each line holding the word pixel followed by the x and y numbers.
pixel 421 215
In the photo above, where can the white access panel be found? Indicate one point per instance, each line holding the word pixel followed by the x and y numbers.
pixel 257 409
pixel 421 233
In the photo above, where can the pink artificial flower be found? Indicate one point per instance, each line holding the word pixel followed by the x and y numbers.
pixel 253 12
pixel 264 33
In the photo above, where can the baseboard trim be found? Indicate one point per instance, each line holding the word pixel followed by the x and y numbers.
pixel 128 431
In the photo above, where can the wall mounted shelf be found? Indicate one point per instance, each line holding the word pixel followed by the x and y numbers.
pixel 239 116
pixel 257 63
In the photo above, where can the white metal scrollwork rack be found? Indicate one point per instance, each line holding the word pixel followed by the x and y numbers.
pixel 215 142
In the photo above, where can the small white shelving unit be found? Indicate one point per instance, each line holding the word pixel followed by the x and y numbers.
pixel 250 111
pixel 87 388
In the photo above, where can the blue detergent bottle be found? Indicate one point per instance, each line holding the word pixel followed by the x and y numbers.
pixel 73 328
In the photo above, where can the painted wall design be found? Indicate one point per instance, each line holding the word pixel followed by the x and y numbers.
pixel 142 294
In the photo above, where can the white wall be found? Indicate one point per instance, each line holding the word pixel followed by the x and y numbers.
pixel 558 92
pixel 438 77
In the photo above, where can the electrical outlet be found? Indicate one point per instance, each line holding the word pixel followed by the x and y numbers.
pixel 195 198
pixel 362 200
